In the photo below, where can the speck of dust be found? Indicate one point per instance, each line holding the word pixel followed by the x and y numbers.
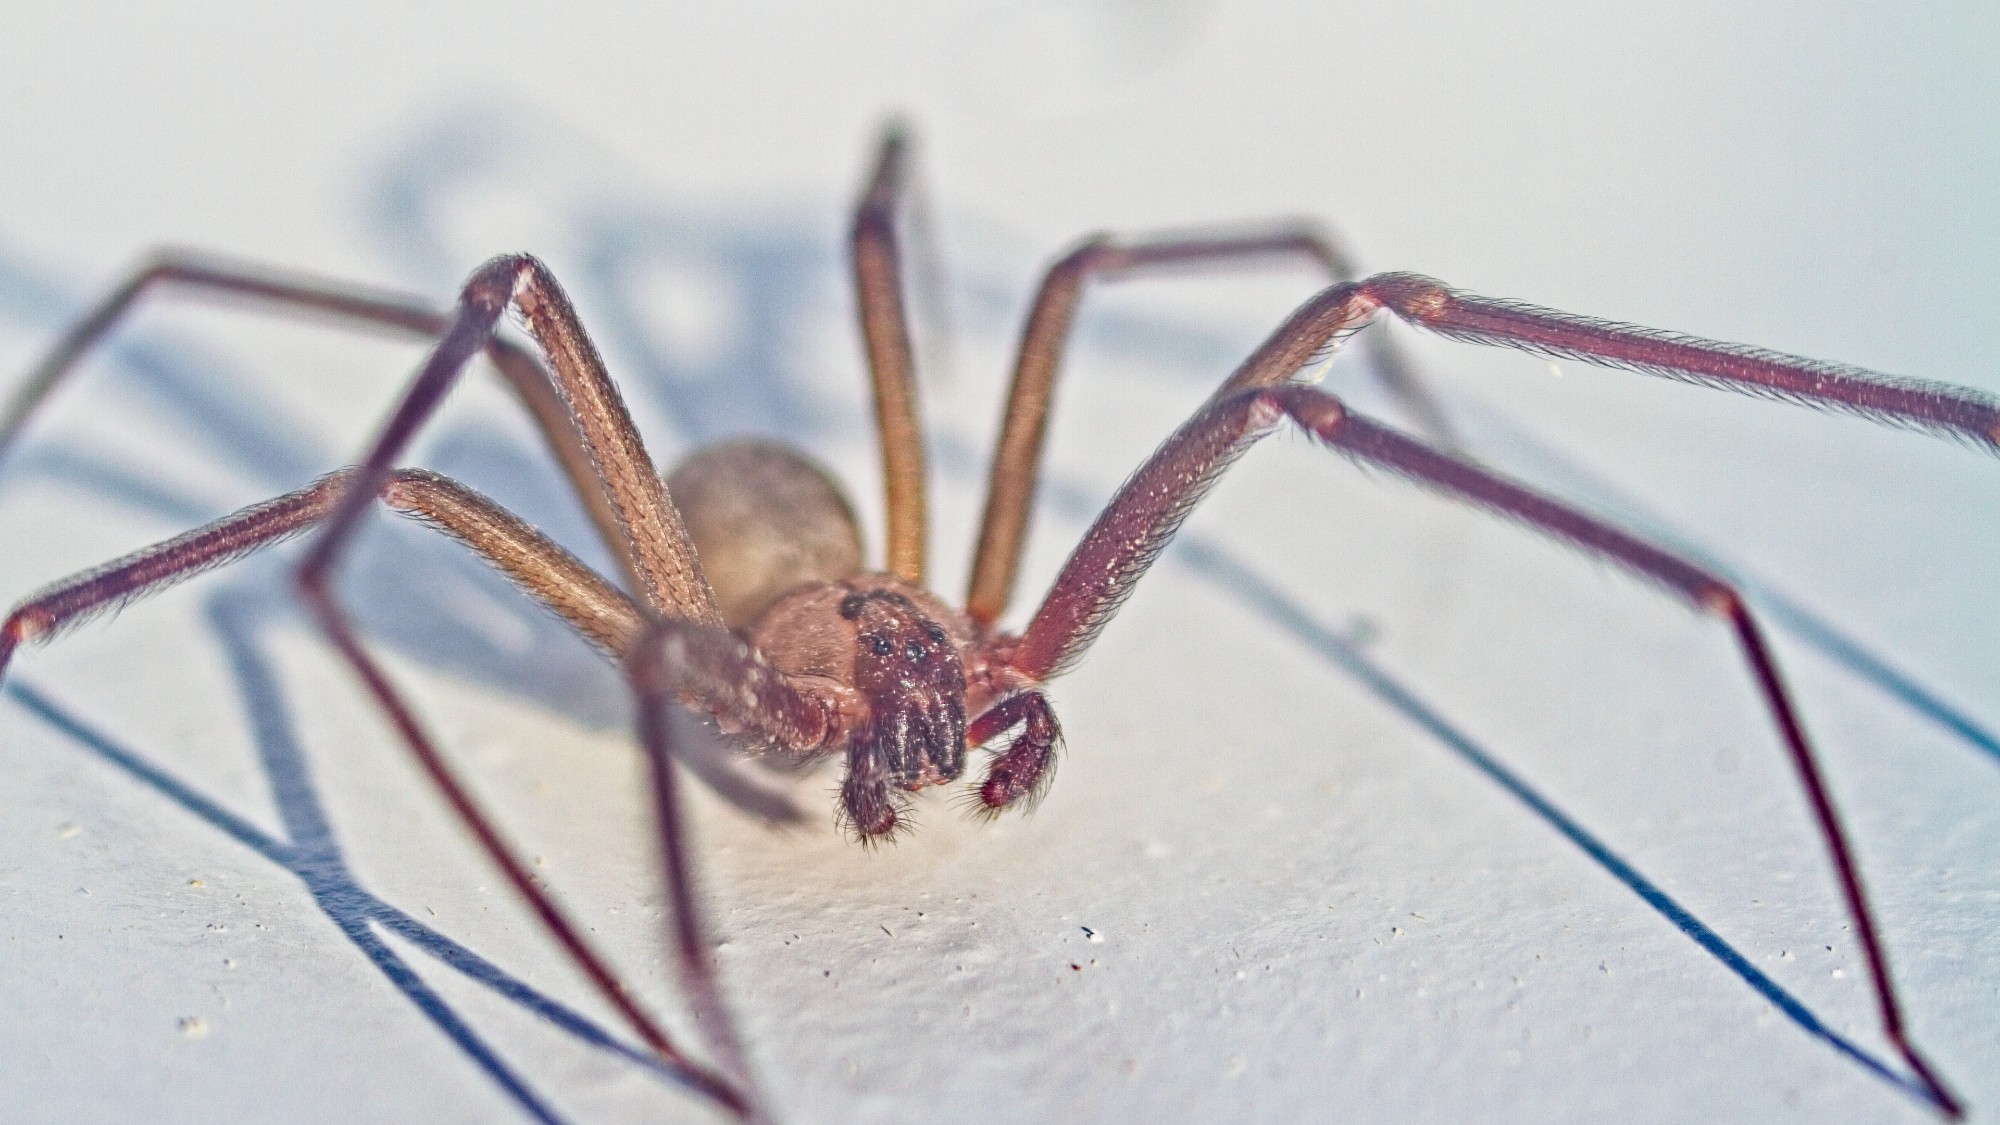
pixel 194 1027
pixel 1093 935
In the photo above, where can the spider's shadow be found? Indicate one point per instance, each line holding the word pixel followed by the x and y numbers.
pixel 770 268
pixel 307 848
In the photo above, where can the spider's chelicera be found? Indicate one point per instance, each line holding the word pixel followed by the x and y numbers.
pixel 744 592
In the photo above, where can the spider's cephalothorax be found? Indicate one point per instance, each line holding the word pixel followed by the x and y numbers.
pixel 900 675
pixel 910 674
pixel 888 656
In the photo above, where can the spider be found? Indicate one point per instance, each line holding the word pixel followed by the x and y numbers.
pixel 744 594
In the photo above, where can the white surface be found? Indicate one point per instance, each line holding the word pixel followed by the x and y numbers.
pixel 1310 906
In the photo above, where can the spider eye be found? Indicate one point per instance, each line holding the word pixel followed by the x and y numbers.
pixel 935 632
pixel 913 652
pixel 881 644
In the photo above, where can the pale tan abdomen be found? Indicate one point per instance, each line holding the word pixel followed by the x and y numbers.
pixel 765 521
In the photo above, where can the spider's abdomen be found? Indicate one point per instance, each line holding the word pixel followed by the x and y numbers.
pixel 765 521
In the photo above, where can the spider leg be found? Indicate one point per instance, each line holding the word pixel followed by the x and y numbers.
pixel 725 676
pixel 298 293
pixel 1153 503
pixel 1941 408
pixel 1010 493
pixel 65 604
pixel 651 544
pixel 885 329
pixel 649 540
pixel 595 608
pixel 579 412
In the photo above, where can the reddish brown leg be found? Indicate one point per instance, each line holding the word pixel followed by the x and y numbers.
pixel 652 546
pixel 541 568
pixel 1151 506
pixel 885 328
pixel 691 948
pixel 723 676
pixel 1369 442
pixel 287 291
pixel 1940 408
pixel 1017 456
pixel 64 605
pixel 650 542
pixel 1021 772
pixel 583 418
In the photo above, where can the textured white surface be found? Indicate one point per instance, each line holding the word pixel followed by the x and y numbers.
pixel 1310 906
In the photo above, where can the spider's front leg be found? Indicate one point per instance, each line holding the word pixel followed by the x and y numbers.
pixel 646 534
pixel 1051 320
pixel 1151 506
pixel 1944 409
pixel 675 660
pixel 581 415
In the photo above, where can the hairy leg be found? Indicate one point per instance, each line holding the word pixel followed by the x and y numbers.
pixel 675 661
pixel 885 329
pixel 296 293
pixel 1017 455
pixel 1961 413
pixel 1022 770
pixel 1151 506
pixel 586 426
pixel 646 535
pixel 595 608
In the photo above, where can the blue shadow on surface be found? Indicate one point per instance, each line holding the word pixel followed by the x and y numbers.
pixel 746 387
pixel 1776 607
pixel 310 852
pixel 1286 616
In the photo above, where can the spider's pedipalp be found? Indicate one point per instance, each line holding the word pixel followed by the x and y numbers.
pixel 1022 769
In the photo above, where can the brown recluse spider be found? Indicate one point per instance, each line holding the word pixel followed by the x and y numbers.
pixel 744 593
